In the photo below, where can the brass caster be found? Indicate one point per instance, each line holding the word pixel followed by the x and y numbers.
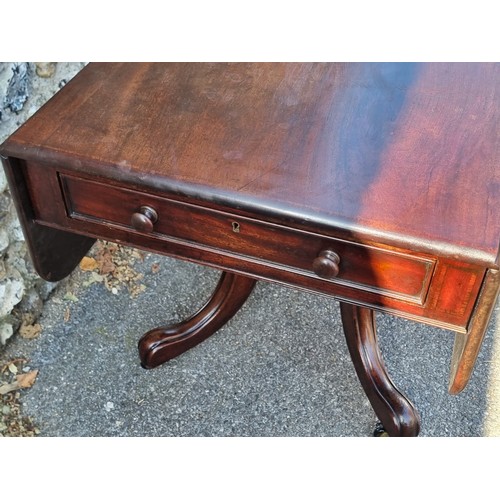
pixel 380 430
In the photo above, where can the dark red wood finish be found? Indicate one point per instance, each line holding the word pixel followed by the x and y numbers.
pixel 55 253
pixel 377 184
pixel 395 411
pixel 411 284
pixel 164 343
pixel 389 151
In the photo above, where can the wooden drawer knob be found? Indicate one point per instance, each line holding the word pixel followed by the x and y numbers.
pixel 326 264
pixel 144 219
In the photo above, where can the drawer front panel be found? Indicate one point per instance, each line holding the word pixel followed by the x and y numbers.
pixel 363 267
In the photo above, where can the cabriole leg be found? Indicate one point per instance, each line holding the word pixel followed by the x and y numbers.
pixel 164 343
pixel 395 411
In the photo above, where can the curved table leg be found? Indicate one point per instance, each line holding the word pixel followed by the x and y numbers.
pixel 397 414
pixel 164 343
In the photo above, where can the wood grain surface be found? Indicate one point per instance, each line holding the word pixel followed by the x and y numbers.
pixel 407 151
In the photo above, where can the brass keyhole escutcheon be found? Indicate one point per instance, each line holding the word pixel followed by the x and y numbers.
pixel 236 227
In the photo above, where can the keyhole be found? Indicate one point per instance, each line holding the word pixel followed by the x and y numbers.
pixel 236 227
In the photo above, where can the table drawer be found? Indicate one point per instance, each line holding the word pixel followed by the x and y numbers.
pixel 364 267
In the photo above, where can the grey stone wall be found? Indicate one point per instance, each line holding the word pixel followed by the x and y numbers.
pixel 24 87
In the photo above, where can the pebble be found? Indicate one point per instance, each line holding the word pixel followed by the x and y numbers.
pixel 4 240
pixel 45 69
pixel 3 181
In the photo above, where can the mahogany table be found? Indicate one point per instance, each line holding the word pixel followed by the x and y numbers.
pixel 377 184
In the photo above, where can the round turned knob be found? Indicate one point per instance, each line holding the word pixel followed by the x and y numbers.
pixel 326 264
pixel 144 219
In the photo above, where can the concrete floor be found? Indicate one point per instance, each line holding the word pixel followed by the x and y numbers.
pixel 280 367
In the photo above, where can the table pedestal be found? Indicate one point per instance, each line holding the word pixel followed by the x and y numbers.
pixel 395 411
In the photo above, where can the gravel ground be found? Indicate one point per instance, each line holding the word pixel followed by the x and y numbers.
pixel 279 368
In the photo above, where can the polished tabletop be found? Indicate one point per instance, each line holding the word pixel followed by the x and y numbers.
pixel 385 151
